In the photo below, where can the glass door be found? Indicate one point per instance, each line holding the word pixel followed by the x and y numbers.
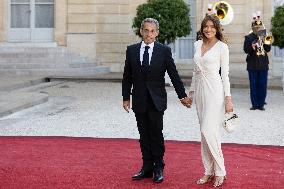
pixel 43 20
pixel 31 20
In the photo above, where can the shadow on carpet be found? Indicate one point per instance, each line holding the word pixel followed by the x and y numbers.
pixel 63 162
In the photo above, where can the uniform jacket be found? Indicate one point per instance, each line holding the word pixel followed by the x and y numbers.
pixel 255 62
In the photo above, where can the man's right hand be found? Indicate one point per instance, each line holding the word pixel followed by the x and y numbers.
pixel 126 105
pixel 254 46
pixel 186 102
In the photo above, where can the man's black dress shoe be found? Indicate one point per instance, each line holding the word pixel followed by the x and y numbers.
pixel 158 176
pixel 253 108
pixel 261 108
pixel 142 174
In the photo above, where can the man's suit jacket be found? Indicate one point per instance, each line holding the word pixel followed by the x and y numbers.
pixel 255 62
pixel 153 81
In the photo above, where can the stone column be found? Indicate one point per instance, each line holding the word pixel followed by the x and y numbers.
pixel 60 30
pixel 3 20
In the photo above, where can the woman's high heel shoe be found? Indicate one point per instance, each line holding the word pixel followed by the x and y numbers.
pixel 205 179
pixel 219 180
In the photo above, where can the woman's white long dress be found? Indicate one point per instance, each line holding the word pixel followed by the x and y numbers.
pixel 210 90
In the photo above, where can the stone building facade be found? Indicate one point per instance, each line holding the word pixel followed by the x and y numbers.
pixel 101 29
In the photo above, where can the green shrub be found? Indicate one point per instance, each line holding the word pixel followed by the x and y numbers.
pixel 277 27
pixel 173 17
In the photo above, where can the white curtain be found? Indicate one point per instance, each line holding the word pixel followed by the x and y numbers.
pixel 20 15
pixel 44 13
pixel 44 16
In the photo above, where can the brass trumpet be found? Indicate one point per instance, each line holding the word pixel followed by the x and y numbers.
pixel 224 12
pixel 268 40
pixel 260 50
pixel 263 39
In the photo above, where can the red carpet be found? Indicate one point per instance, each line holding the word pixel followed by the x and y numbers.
pixel 60 162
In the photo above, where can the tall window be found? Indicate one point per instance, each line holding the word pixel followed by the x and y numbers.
pixel 44 13
pixel 183 47
pixel 32 13
pixel 276 50
pixel 20 14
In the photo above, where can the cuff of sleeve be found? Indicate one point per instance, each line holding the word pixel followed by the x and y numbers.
pixel 126 99
pixel 183 98
pixel 228 95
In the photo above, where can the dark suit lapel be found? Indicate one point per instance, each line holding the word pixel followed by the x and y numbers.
pixel 155 54
pixel 137 54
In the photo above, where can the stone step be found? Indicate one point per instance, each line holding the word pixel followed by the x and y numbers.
pixel 39 87
pixel 27 54
pixel 90 71
pixel 67 59
pixel 14 83
pixel 19 93
pixel 32 53
pixel 32 49
pixel 11 102
pixel 45 61
pixel 42 65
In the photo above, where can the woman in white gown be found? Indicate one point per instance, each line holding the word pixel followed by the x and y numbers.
pixel 212 96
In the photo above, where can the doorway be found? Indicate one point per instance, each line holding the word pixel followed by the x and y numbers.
pixel 31 21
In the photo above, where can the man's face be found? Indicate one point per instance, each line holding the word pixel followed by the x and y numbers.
pixel 149 32
pixel 255 29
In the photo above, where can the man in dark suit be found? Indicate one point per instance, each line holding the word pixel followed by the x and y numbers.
pixel 145 66
pixel 257 64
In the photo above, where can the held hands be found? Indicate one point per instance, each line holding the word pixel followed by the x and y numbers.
pixel 126 105
pixel 186 101
pixel 228 104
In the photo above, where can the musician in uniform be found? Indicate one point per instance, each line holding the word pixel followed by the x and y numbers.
pixel 257 63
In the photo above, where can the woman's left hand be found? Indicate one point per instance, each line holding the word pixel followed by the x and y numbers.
pixel 228 104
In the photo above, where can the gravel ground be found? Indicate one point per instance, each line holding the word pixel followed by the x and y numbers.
pixel 94 109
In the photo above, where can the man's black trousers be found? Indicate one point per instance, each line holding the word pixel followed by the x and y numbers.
pixel 150 127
